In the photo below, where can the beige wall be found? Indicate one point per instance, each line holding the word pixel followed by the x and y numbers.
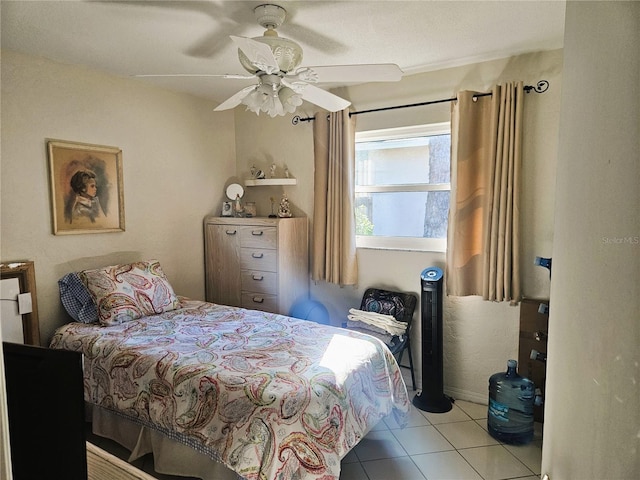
pixel 479 336
pixel 177 154
pixel 592 413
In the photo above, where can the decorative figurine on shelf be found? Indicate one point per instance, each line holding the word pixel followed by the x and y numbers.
pixel 250 209
pixel 273 170
pixel 237 206
pixel 259 175
pixel 273 204
pixel 253 171
pixel 286 172
pixel 285 210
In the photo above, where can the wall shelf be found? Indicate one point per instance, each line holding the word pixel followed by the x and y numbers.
pixel 270 181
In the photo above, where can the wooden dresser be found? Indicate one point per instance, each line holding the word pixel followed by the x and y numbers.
pixel 534 329
pixel 257 263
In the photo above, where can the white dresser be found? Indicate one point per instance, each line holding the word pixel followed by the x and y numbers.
pixel 257 263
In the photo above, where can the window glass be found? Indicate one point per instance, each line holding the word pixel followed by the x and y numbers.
pixel 393 162
pixel 403 187
pixel 402 214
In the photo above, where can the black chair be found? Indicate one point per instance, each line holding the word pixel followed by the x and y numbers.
pixel 401 306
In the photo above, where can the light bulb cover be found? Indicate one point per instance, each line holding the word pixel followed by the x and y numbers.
pixel 290 99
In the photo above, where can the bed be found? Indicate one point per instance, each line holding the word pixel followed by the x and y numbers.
pixel 202 385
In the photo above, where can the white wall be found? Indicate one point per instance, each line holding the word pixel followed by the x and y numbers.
pixel 479 336
pixel 592 412
pixel 177 155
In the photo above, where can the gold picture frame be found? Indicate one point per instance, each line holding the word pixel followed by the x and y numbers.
pixel 86 187
pixel 25 272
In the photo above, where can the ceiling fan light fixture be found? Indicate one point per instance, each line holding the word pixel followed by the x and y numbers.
pixel 272 106
pixel 270 97
pixel 254 100
pixel 290 99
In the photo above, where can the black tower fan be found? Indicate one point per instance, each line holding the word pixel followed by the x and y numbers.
pixel 432 397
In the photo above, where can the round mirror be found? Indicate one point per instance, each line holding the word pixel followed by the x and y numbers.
pixel 234 190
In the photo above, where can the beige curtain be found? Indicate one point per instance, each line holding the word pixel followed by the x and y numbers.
pixel 483 251
pixel 334 238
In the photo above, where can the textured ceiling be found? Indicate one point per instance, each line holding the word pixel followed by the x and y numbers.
pixel 167 37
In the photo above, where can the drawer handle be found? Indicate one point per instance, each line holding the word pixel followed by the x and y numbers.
pixel 257 255
pixel 258 300
pixel 230 232
pixel 257 233
pixel 540 336
pixel 257 278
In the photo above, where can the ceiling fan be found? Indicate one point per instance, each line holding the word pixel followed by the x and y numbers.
pixel 282 84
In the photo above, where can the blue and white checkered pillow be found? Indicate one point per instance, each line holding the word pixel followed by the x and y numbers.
pixel 76 299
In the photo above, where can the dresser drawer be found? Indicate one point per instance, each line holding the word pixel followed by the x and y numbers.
pixel 258 259
pixel 259 282
pixel 258 237
pixel 257 301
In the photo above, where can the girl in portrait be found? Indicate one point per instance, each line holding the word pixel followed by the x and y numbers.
pixel 86 204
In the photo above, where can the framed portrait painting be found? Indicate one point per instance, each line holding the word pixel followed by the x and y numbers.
pixel 86 188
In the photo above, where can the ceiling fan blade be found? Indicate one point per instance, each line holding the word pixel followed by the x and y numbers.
pixel 381 72
pixel 259 54
pixel 323 99
pixel 226 75
pixel 235 99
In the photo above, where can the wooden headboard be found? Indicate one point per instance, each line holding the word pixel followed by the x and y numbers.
pixel 25 272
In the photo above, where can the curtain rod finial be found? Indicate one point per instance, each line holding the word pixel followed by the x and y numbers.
pixel 297 119
pixel 541 87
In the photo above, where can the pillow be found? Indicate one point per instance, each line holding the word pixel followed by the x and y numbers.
pixel 76 299
pixel 127 292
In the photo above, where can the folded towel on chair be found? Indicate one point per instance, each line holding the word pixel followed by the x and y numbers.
pixel 386 338
pixel 385 322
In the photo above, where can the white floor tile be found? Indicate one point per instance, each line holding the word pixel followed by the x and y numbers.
pixel 381 425
pixel 494 463
pixel 401 468
pixel 466 434
pixel 415 418
pixel 445 466
pixel 350 457
pixel 530 455
pixel 453 415
pixel 474 410
pixel 377 445
pixel 352 471
pixel 482 422
pixel 416 440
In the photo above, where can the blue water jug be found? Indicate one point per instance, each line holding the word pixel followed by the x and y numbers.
pixel 511 399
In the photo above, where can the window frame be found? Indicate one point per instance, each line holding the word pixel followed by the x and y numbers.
pixel 403 243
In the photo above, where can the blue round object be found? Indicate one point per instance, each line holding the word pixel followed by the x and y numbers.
pixel 310 310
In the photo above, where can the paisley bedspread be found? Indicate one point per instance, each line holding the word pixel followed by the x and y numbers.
pixel 269 396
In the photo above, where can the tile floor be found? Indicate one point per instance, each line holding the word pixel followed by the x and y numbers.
pixel 433 446
pixel 453 445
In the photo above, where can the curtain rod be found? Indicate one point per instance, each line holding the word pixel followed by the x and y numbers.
pixel 541 87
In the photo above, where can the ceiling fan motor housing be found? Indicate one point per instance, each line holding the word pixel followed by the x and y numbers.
pixel 287 53
pixel 269 15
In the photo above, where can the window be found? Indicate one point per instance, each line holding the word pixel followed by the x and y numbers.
pixel 403 184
